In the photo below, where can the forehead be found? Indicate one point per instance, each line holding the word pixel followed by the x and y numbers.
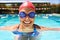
pixel 27 10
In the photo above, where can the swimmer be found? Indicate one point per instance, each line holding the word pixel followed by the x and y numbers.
pixel 27 30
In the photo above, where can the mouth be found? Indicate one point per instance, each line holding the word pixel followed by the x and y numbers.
pixel 27 22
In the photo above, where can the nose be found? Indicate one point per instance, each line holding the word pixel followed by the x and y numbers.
pixel 27 18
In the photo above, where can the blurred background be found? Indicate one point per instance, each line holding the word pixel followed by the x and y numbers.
pixel 42 6
pixel 47 15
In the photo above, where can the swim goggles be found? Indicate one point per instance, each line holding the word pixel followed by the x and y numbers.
pixel 30 15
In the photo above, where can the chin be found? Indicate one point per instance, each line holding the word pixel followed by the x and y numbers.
pixel 27 25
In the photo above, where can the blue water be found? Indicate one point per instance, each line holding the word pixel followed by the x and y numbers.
pixel 42 20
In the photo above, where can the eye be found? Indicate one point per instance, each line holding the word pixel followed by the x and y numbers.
pixel 22 14
pixel 32 14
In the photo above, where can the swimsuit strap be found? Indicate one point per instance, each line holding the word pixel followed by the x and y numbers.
pixel 18 27
pixel 16 31
pixel 34 27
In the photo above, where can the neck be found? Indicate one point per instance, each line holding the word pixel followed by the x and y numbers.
pixel 24 27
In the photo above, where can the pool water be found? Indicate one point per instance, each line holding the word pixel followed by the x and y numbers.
pixel 41 20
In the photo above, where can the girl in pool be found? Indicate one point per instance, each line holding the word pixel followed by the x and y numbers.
pixel 27 30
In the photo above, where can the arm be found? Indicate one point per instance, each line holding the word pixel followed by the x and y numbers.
pixel 5 28
pixel 46 29
pixel 10 28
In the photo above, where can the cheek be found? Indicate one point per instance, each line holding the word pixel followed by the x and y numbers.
pixel 32 19
pixel 21 19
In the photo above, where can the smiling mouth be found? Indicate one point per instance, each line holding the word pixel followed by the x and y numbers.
pixel 25 22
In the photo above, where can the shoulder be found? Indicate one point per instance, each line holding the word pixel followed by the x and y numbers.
pixel 37 26
pixel 14 26
pixel 41 27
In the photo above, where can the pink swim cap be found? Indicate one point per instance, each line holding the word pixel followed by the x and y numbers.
pixel 27 4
